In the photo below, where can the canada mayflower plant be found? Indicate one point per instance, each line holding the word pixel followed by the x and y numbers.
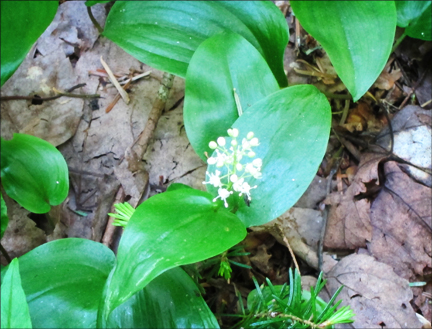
pixel 238 170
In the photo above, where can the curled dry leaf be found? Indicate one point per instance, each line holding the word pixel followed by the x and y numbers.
pixel 378 296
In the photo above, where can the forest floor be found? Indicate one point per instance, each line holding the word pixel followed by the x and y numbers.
pixel 371 196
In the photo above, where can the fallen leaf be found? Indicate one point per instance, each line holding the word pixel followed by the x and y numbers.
pixel 402 224
pixel 378 297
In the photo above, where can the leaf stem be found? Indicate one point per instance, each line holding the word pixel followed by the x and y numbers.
pixel 94 21
pixel 398 41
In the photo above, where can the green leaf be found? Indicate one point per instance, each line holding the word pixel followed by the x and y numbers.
pixel 33 172
pixel 90 3
pixel 172 300
pixel 293 127
pixel 14 307
pixel 177 186
pixel 22 23
pixel 168 230
pixel 4 217
pixel 63 281
pixel 348 31
pixel 415 16
pixel 165 34
pixel 210 109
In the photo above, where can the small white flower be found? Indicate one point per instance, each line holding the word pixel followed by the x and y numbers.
pixel 233 132
pixel 239 166
pixel 211 161
pixel 213 145
pixel 214 179
pixel 234 178
pixel 251 154
pixel 254 142
pixel 234 143
pixel 237 186
pixel 221 141
pixel 257 162
pixel 250 135
pixel 223 195
pixel 245 189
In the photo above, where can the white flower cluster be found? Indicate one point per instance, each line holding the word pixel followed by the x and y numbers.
pixel 234 180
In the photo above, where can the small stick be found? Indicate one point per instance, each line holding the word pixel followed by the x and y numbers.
pixel 114 81
pixel 43 99
pixel 108 236
pixel 94 21
pixel 116 98
pixel 289 248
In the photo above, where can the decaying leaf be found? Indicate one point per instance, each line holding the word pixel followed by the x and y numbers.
pixel 402 224
pixel 378 297
pixel 348 223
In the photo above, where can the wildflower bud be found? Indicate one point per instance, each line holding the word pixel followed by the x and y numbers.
pixel 251 154
pixel 254 142
pixel 233 178
pixel 250 135
pixel 221 141
pixel 219 164
pixel 239 166
pixel 211 161
pixel 233 132
pixel 234 143
pixel 212 145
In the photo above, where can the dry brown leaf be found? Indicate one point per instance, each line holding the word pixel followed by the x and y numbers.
pixel 401 220
pixel 378 297
pixel 348 223
pixel 387 80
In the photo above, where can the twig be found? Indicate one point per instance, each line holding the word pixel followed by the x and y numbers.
pixel 114 81
pixel 289 248
pixel 413 89
pixel 345 112
pixel 108 236
pixel 67 93
pixel 5 254
pixel 117 97
pixel 325 216
pixel 94 21
pixel 141 143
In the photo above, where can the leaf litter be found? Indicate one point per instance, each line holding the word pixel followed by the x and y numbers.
pixel 378 235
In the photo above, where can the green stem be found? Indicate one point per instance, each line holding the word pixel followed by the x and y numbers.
pixel 398 41
pixel 94 21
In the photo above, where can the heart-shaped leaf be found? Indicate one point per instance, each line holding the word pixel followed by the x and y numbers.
pixel 171 300
pixel 210 109
pixel 170 229
pixel 165 34
pixel 63 281
pixel 293 127
pixel 33 172
pixel 22 23
pixel 415 16
pixel 4 217
pixel 14 307
pixel 348 31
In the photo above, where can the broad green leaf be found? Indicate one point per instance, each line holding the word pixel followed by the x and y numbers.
pixel 22 23
pixel 63 281
pixel 293 127
pixel 165 34
pixel 90 3
pixel 33 172
pixel 4 217
pixel 172 300
pixel 357 36
pixel 210 109
pixel 177 186
pixel 14 307
pixel 415 16
pixel 168 230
